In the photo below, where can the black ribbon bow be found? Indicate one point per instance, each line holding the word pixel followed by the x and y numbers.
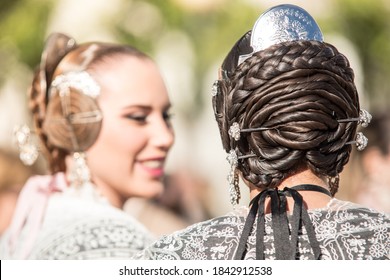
pixel 286 242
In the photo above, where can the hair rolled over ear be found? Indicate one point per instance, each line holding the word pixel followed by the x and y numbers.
pixel 229 65
pixel 241 47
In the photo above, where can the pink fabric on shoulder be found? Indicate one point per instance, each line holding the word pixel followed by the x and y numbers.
pixel 31 206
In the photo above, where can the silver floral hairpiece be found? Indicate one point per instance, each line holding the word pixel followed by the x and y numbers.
pixel 28 150
pixel 232 158
pixel 234 131
pixel 214 88
pixel 360 141
pixel 81 81
pixel 364 118
pixel 282 23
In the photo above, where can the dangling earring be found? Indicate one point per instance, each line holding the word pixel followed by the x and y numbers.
pixel 79 173
pixel 233 181
pixel 334 184
pixel 28 151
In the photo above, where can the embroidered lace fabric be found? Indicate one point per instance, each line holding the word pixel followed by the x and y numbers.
pixel 80 225
pixel 345 231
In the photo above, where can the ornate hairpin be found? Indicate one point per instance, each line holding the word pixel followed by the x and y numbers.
pixel 28 150
pixel 81 81
pixel 364 118
pixel 235 131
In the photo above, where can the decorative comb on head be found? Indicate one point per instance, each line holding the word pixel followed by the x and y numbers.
pixel 282 23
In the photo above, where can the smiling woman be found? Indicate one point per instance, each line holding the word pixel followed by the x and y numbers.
pixel 101 112
pixel 132 106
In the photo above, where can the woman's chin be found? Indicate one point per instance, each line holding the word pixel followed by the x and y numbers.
pixel 151 190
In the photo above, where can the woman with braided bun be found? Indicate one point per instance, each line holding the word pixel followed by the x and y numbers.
pixel 101 112
pixel 288 112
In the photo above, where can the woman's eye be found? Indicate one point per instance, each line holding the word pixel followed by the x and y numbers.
pixel 137 118
pixel 167 116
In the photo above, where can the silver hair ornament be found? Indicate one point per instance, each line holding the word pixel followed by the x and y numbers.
pixel 79 173
pixel 81 81
pixel 282 23
pixel 364 118
pixel 361 141
pixel 214 88
pixel 28 150
pixel 232 178
pixel 234 131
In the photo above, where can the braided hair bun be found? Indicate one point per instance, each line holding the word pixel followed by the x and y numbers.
pixel 297 91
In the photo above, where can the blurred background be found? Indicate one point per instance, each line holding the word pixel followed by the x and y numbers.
pixel 189 39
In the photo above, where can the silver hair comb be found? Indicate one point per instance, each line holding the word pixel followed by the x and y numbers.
pixel 282 23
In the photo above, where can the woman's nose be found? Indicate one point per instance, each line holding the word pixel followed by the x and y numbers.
pixel 163 134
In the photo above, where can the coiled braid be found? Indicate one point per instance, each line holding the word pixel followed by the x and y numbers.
pixel 298 90
pixel 56 47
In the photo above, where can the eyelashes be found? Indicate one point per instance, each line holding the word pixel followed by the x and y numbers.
pixel 143 118
pixel 167 116
pixel 137 118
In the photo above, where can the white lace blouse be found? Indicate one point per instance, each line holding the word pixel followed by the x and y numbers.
pixel 71 224
pixel 345 231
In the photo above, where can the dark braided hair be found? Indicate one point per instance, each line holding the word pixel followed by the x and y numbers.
pixel 298 91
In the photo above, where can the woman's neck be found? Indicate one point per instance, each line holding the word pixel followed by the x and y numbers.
pixel 312 199
pixel 113 197
pixel 102 189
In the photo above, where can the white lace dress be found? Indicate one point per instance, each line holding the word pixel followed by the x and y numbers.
pixel 345 231
pixel 75 225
